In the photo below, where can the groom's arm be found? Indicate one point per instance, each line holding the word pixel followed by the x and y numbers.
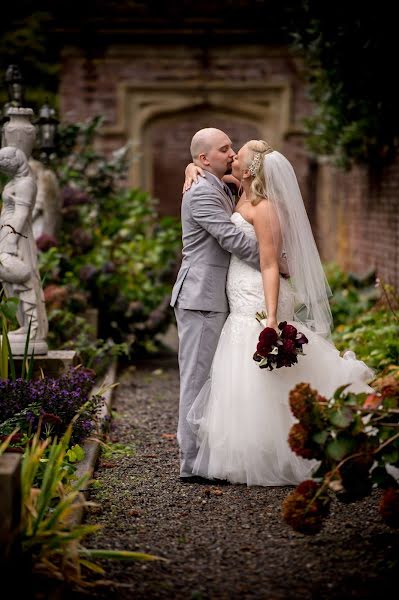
pixel 208 211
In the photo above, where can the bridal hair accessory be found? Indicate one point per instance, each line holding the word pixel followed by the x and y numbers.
pixel 257 159
pixel 255 164
pixel 275 350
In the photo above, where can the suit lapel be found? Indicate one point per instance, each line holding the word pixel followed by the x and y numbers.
pixel 226 199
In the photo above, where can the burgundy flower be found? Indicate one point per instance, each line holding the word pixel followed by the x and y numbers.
pixel 288 331
pixel 289 346
pixel 276 350
pixel 267 339
pixel 301 339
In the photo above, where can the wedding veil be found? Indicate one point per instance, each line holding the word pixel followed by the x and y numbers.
pixel 298 245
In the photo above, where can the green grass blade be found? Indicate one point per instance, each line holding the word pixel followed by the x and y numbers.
pixel 31 364
pixel 25 357
pixel 10 358
pixel 66 503
pixel 118 554
pixel 4 349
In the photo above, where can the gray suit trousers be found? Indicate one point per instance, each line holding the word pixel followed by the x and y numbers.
pixel 199 332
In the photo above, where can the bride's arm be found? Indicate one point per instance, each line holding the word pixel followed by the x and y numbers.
pixel 268 234
pixel 231 179
pixel 191 173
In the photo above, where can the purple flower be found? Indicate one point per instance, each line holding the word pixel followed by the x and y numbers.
pixel 57 400
pixel 44 242
pixel 72 197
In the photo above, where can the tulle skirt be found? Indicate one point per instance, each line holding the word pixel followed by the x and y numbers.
pixel 242 416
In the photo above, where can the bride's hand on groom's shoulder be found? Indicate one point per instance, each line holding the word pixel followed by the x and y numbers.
pixel 192 173
pixel 231 179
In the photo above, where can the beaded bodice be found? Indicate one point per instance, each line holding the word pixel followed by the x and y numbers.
pixel 245 287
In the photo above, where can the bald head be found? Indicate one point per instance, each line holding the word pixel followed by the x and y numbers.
pixel 204 139
pixel 211 149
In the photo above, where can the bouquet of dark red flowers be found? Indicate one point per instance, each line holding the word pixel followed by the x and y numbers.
pixel 275 350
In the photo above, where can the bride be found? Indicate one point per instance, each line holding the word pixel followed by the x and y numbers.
pixel 241 416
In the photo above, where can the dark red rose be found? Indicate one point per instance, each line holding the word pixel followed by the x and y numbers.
pixel 267 339
pixel 285 346
pixel 288 331
pixel 289 346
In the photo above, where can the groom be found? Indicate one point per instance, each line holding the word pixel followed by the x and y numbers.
pixel 199 294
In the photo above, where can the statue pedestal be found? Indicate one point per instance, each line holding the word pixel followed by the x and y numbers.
pixel 39 347
pixel 53 364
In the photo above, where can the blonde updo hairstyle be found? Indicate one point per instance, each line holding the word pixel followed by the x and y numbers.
pixel 256 151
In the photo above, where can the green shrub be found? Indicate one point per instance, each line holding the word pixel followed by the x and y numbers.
pixel 114 252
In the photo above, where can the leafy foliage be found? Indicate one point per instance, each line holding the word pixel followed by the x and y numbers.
pixel 352 295
pixel 49 532
pixel 114 253
pixel 26 40
pixel 347 50
pixel 373 335
pixel 354 439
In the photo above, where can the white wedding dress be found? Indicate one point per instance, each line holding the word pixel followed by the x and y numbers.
pixel 242 416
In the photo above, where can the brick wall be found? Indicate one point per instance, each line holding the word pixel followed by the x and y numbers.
pixel 90 83
pixel 356 219
pixel 355 223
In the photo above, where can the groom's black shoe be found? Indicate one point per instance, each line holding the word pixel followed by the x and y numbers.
pixel 203 481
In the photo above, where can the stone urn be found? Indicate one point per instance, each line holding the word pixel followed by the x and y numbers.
pixel 19 131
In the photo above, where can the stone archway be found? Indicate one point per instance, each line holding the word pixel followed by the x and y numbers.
pixel 149 115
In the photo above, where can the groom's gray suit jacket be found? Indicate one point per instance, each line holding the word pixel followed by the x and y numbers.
pixel 209 239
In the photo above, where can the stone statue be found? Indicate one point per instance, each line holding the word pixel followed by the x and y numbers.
pixel 46 216
pixel 19 273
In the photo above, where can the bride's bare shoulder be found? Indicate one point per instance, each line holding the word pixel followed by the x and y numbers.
pixel 264 211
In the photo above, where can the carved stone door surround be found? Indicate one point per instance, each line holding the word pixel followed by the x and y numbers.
pixel 265 104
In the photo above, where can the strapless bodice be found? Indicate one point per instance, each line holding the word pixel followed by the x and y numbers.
pixel 244 285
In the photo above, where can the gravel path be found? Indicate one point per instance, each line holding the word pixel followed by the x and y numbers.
pixel 221 543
